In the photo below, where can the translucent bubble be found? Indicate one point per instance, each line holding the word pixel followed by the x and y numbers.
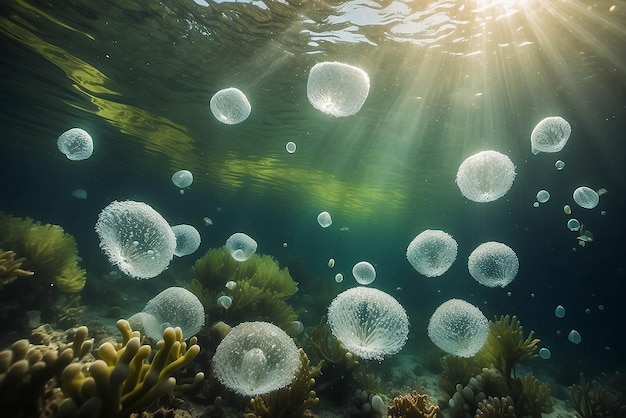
pixel 432 252
pixel 587 311
pixel 559 312
pixel 493 264
pixel 560 165
pixel 543 196
pixel 76 144
pixel 603 213
pixel 225 301
pixel 324 219
pixel 544 353
pixel 573 224
pixel 80 194
pixel 290 147
pixel 535 204
pixel 230 106
pixel 574 337
pixel 182 178
pixel 567 210
pixel 458 328
pixel 486 176
pixel 331 263
pixel 550 135
pixel 187 239
pixel 600 307
pixel 241 246
pixel 586 198
pixel 337 89
pixel 285 245
pixel 364 272
pixel 231 285
pixel 339 277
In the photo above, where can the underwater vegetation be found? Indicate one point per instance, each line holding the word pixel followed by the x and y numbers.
pixel 413 405
pixel 468 382
pixel 593 400
pixel 10 268
pixel 258 288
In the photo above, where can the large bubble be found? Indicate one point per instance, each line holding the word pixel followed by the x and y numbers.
pixel 337 89
pixel 550 135
pixel 364 272
pixel 187 239
pixel 432 252
pixel 76 144
pixel 493 264
pixel 543 196
pixel 136 238
pixel 586 198
pixel 240 246
pixel 182 178
pixel 458 328
pixel 173 307
pixel 324 219
pixel 485 176
pixel 230 106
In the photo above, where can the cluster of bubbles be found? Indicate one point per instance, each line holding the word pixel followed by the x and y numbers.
pixel 432 252
pixel 230 106
pixel 337 89
pixel 369 322
pixel 493 264
pixel 187 239
pixel 173 307
pixel 240 246
pixel 256 358
pixel 485 176
pixel 136 238
pixel 76 144
pixel 458 328
pixel 364 273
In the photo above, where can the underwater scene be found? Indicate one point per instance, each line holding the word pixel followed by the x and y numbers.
pixel 313 208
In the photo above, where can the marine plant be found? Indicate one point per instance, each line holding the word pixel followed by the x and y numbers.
pixel 259 292
pixel 412 405
pixel 593 400
pixel 496 408
pixel 325 346
pixel 10 268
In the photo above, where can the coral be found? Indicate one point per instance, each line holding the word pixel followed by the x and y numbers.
pixel 507 346
pixel 48 250
pixel 259 294
pixel 25 368
pixel 122 380
pixel 456 370
pixel 595 400
pixel 292 401
pixel 10 268
pixel 496 408
pixel 413 405
pixel 469 397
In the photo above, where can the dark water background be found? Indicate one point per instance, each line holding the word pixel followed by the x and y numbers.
pixel 138 75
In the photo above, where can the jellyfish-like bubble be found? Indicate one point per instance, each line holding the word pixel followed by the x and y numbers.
pixel 339 277
pixel 290 147
pixel 324 219
pixel 230 106
pixel 573 224
pixel 432 252
pixel 337 89
pixel 574 337
pixel 363 272
pixel 187 239
pixel 550 135
pixel 560 165
pixel 567 210
pixel 544 353
pixel 543 196
pixel 174 307
pixel 493 264
pixel 225 301
pixel 586 198
pixel 331 263
pixel 182 178
pixel 231 285
pixel 136 238
pixel 80 194
pixel 240 246
pixel 486 176
pixel 559 311
pixel 76 144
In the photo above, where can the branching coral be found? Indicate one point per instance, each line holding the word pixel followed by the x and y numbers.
pixel 122 380
pixel 413 405
pixel 292 401
pixel 595 400
pixel 10 267
pixel 260 291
